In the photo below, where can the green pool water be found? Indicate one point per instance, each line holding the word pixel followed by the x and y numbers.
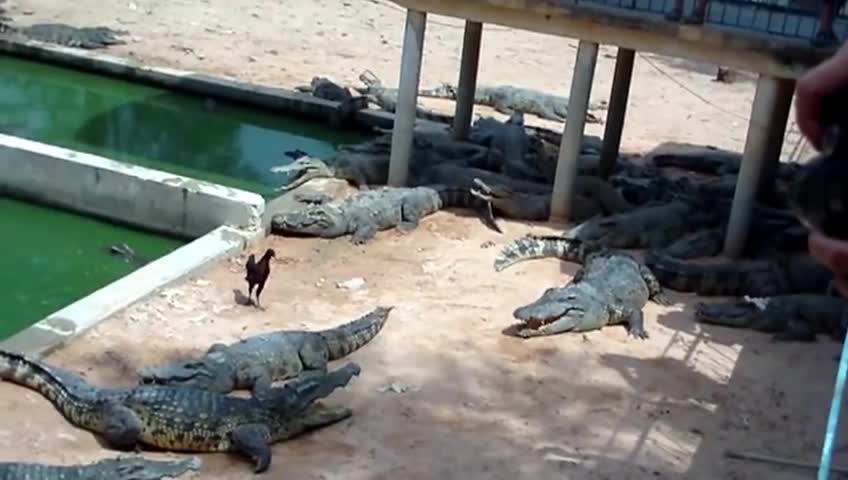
pixel 178 133
pixel 53 258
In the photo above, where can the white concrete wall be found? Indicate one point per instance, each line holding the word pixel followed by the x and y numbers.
pixel 150 199
pixel 62 326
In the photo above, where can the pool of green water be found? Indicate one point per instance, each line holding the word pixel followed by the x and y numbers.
pixel 183 134
pixel 53 258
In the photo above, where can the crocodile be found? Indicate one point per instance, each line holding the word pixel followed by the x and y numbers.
pixel 511 145
pixel 254 363
pixel 367 163
pixel 326 89
pixel 365 213
pixel 649 226
pixel 127 253
pixel 66 35
pixel 705 159
pixel 386 98
pixel 121 468
pixel 537 207
pixel 707 242
pixel 761 277
pixel 709 160
pixel 797 317
pixel 611 288
pixel 183 419
pixel 507 99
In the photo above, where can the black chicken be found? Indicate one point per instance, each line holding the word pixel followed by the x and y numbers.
pixel 257 273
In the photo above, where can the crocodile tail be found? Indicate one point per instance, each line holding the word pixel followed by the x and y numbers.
pixel 730 279
pixel 53 385
pixel 461 197
pixel 542 246
pixel 346 339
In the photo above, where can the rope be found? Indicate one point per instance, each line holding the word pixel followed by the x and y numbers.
pixel 833 416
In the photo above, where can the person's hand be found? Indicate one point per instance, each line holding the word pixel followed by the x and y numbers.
pixel 833 254
pixel 812 92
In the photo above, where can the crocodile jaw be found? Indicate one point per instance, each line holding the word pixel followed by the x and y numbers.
pixel 320 220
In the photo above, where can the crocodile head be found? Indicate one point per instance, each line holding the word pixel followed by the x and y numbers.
pixel 553 312
pixel 140 468
pixel 302 170
pixel 326 220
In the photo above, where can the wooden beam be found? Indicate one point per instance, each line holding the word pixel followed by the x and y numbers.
pixel 642 32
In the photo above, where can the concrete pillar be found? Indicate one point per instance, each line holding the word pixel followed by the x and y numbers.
pixel 467 79
pixel 572 137
pixel 769 112
pixel 617 109
pixel 407 103
pixel 766 189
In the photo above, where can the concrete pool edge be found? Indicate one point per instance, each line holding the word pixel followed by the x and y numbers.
pixel 142 197
pixel 220 221
pixel 286 101
pixel 62 326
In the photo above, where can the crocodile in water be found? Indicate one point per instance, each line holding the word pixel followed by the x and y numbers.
pixel 120 468
pixel 256 362
pixel 790 317
pixel 183 419
pixel 611 288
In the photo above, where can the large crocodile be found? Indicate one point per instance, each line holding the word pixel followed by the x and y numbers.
pixel 507 99
pixel 65 35
pixel 604 200
pixel 764 277
pixel 254 363
pixel 790 317
pixel 650 226
pixel 326 89
pixel 367 163
pixel 387 98
pixel 183 419
pixel 120 468
pixel 363 214
pixel 511 144
pixel 611 288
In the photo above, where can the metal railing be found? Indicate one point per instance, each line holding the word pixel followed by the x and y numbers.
pixel 798 19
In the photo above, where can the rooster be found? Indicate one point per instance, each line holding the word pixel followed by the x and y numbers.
pixel 257 273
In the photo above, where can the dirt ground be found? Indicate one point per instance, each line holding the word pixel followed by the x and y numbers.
pixel 441 381
pixel 444 394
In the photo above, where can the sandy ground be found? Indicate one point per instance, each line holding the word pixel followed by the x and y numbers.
pixel 470 403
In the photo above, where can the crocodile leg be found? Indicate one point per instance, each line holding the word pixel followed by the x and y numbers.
pixel 655 290
pixel 635 320
pixel 363 234
pixel 122 427
pixel 252 441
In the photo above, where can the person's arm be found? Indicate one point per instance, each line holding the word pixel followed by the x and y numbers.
pixel 812 91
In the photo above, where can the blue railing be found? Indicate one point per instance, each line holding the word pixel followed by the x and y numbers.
pixel 798 19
